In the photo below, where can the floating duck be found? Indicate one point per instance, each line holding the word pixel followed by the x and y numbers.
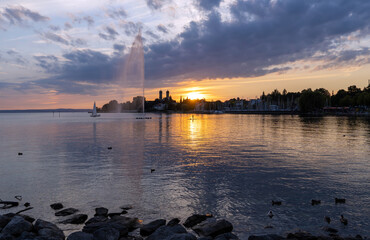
pixel 315 202
pixel 278 203
pixel 152 170
pixel 20 154
pixel 327 219
pixel 27 204
pixel 270 214
pixel 343 220
pixel 109 148
pixel 340 200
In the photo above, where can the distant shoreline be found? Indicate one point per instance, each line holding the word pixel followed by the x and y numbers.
pixel 315 114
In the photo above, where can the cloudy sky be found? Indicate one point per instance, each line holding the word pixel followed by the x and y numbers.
pixel 69 53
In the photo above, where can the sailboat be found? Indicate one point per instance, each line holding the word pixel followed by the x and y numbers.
pixel 94 113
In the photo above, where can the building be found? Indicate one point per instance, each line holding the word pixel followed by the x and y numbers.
pixel 168 95
pixel 160 95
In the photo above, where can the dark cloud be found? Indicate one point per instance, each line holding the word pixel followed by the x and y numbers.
pixel 80 67
pixel 54 28
pixel 12 52
pixel 262 34
pixel 20 15
pixel 151 34
pixel 155 4
pixel 109 33
pixel 65 40
pixel 162 28
pixel 207 4
pixel 16 57
pixel 90 21
pixel 131 28
pixel 119 47
pixel 117 13
pixel 49 63
pixel 79 19
pixel 67 26
pixel 55 38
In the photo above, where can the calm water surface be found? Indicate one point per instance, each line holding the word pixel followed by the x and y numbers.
pixel 229 165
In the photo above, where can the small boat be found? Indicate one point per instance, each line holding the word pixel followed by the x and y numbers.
pixel 94 113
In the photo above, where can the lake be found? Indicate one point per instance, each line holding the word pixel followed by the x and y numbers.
pixel 231 166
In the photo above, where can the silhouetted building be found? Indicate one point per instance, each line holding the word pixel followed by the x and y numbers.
pixel 160 94
pixel 167 95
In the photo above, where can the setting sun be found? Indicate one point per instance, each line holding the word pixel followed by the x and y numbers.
pixel 195 95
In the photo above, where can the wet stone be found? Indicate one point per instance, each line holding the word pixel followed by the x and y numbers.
pixel 149 228
pixel 80 236
pixel 66 212
pixel 212 229
pixel 101 211
pixel 17 226
pixel 56 206
pixel 173 222
pixel 76 219
pixel 194 220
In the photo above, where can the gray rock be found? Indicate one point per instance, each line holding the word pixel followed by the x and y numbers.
pixel 56 206
pixel 66 212
pixel 149 228
pixel 299 235
pixel 48 230
pixel 76 219
pixel 126 207
pixel 27 218
pixel 101 211
pixel 27 236
pixel 6 237
pixel 4 220
pixel 181 236
pixel 173 222
pixel 329 229
pixel 165 232
pixel 97 219
pixel 131 238
pixel 227 236
pixel 213 229
pixel 266 237
pixel 80 236
pixel 122 224
pixel 114 214
pixel 17 226
pixel 195 219
pixel 205 238
pixel 106 233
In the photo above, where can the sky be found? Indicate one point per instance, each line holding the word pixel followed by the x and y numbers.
pixel 70 53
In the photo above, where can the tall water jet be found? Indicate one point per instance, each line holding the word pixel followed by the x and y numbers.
pixel 134 65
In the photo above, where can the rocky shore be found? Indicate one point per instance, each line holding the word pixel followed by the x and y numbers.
pixel 114 226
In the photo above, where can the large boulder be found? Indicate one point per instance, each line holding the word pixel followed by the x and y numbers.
pixel 48 230
pixel 80 236
pixel 173 222
pixel 17 226
pixel 106 233
pixel 165 232
pixel 56 206
pixel 76 219
pixel 213 229
pixel 227 236
pixel 149 228
pixel 195 219
pixel 97 219
pixel 6 237
pixel 66 212
pixel 101 211
pixel 182 236
pixel 4 220
pixel 122 224
pixel 266 237
pixel 27 236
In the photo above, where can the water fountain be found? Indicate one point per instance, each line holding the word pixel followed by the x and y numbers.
pixel 134 67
